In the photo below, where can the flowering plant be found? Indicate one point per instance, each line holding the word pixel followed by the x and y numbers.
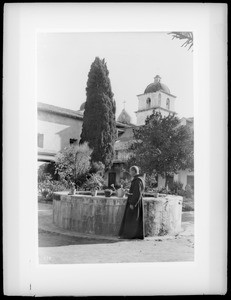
pixel 95 182
pixel 47 187
pixel 125 184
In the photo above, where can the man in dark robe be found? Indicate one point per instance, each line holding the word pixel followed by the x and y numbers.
pixel 132 226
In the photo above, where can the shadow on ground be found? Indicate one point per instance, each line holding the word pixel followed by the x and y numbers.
pixel 48 239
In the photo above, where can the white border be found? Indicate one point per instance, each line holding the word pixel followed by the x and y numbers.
pixel 22 273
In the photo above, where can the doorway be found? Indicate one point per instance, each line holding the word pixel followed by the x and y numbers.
pixel 111 178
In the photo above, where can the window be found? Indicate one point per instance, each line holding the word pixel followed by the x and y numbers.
pixel 148 102
pixel 168 103
pixel 73 141
pixel 40 140
pixel 116 154
pixel 159 100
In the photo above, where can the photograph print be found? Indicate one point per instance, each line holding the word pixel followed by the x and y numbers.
pixel 115 147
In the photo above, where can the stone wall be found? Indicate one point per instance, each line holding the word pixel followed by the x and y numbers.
pixel 102 216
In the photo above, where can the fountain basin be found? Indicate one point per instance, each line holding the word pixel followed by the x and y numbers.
pixel 100 215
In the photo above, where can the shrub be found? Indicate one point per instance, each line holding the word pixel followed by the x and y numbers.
pixel 150 182
pixel 73 163
pixel 163 190
pixel 95 181
pixel 189 193
pixel 125 183
pixel 187 206
pixel 47 168
pixel 97 167
pixel 181 192
pixel 47 187
pixel 176 187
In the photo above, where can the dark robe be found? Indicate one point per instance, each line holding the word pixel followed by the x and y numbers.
pixel 132 226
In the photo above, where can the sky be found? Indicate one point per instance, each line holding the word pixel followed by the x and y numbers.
pixel 133 60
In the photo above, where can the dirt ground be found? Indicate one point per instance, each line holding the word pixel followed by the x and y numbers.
pixel 65 247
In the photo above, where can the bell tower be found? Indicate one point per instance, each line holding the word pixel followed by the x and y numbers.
pixel 156 95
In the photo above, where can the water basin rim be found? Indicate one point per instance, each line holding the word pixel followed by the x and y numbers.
pixel 159 199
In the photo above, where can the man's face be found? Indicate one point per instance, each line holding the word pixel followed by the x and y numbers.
pixel 132 173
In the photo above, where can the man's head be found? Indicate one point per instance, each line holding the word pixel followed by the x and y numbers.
pixel 134 170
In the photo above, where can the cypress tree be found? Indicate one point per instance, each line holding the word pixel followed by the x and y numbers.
pixel 99 124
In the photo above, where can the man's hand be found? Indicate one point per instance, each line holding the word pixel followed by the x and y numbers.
pixel 131 206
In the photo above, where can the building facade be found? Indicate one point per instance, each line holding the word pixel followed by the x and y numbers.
pixel 59 127
pixel 56 128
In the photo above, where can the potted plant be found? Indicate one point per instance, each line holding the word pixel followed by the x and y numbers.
pixel 124 186
pixel 120 192
pixel 94 183
pixel 72 188
pixel 108 192
pixel 94 191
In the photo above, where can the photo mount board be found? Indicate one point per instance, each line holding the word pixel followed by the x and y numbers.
pixel 23 275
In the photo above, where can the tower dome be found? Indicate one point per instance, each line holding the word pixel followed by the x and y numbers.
pixel 124 117
pixel 157 86
pixel 82 106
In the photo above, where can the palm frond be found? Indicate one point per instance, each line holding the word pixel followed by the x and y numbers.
pixel 187 36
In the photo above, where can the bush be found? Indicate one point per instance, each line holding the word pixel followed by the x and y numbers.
pixel 163 190
pixel 47 187
pixel 95 181
pixel 125 183
pixel 80 181
pixel 181 193
pixel 47 168
pixel 189 192
pixel 97 167
pixel 187 205
pixel 73 163
pixel 150 182
pixel 177 188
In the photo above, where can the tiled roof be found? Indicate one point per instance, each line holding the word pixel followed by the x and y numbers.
pixel 124 140
pixel 58 110
pixel 119 124
pixel 70 113
pixel 127 135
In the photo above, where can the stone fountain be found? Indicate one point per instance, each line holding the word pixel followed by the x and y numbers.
pixel 100 215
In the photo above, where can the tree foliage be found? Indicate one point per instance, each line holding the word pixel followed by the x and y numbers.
pixel 187 37
pixel 99 124
pixel 162 145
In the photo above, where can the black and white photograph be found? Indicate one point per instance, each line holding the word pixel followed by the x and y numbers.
pixel 115 149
